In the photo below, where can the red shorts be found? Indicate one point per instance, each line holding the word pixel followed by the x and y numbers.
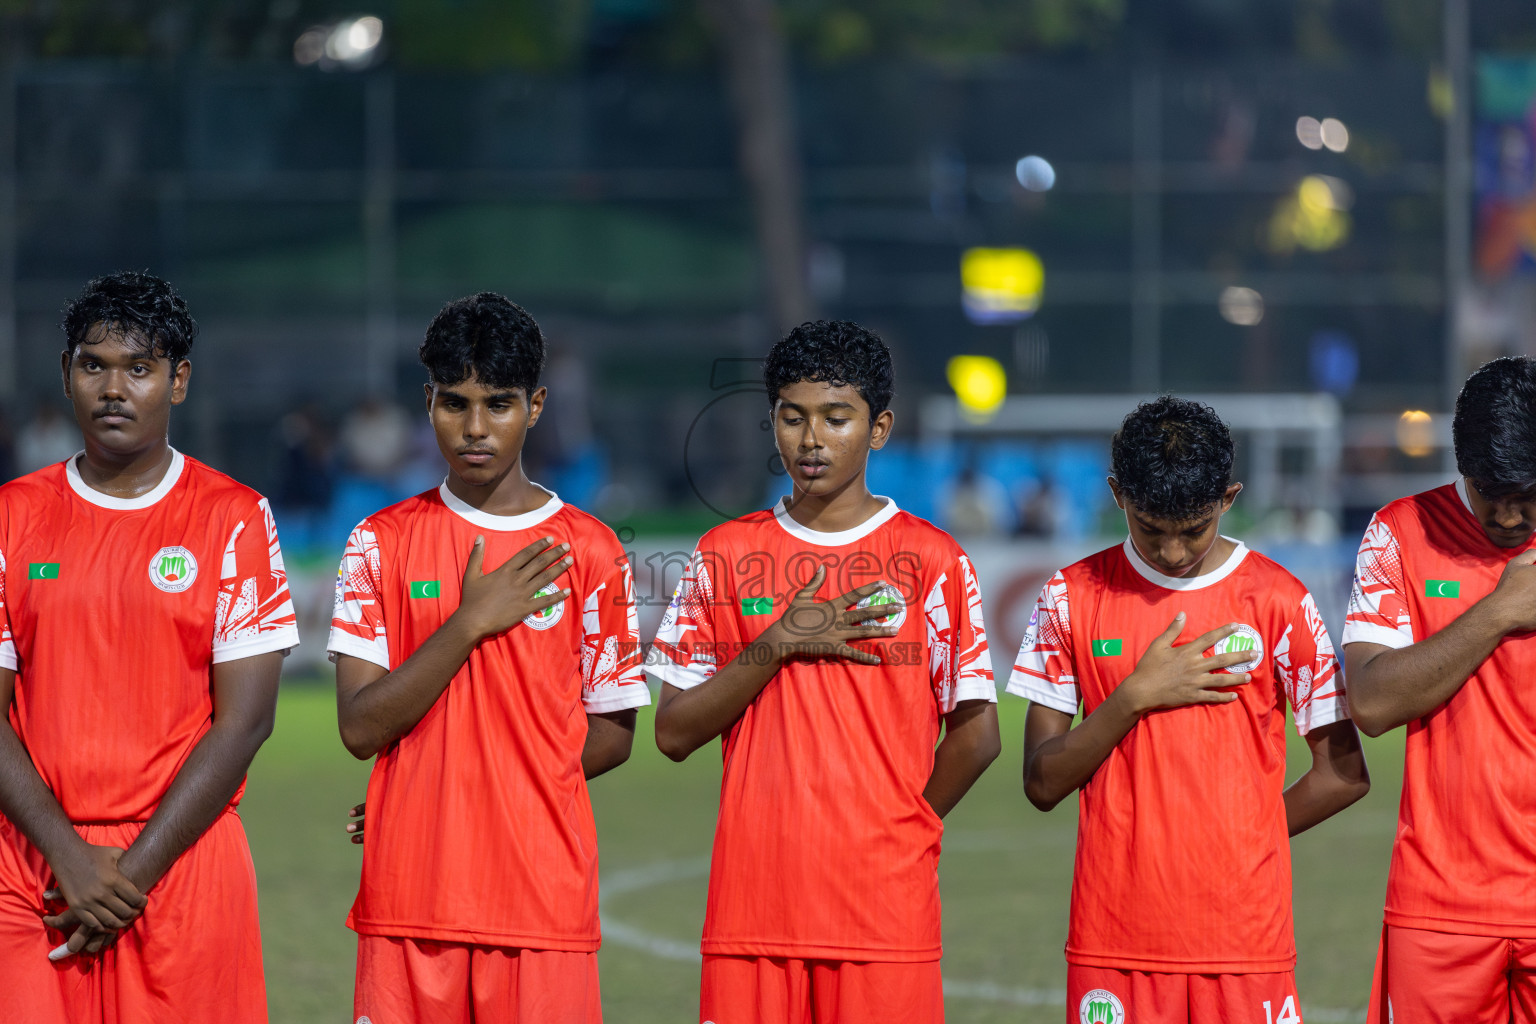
pixel 427 982
pixel 775 990
pixel 194 955
pixel 1432 977
pixel 1105 995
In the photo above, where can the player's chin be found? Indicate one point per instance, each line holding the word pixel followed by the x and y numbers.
pixel 478 474
pixel 824 482
pixel 127 436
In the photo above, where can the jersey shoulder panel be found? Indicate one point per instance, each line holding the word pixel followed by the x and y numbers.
pixel 43 488
pixel 212 482
pixel 744 530
pixel 401 514
pixel 1279 583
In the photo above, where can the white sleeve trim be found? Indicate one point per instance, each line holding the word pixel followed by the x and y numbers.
pixel 974 687
pixel 8 655
pixel 342 642
pixel 284 638
pixel 658 666
pixel 617 698
pixel 1336 709
pixel 1371 633
pixel 1022 684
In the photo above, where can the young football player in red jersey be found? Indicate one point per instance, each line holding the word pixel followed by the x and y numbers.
pixel 1182 648
pixel 145 617
pixel 487 651
pixel 823 891
pixel 1439 638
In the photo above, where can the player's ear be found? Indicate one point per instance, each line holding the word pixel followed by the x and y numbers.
pixel 65 358
pixel 1233 490
pixel 1114 489
pixel 880 429
pixel 180 377
pixel 427 389
pixel 536 404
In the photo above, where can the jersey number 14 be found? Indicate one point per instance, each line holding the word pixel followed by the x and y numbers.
pixel 1288 1014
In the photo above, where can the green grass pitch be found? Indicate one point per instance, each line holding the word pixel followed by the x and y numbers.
pixel 1006 873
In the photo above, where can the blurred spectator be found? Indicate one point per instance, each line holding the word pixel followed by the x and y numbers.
pixel 47 438
pixel 978 506
pixel 308 471
pixel 1040 513
pixel 375 439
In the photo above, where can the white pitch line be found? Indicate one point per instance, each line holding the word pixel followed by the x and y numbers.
pixel 630 880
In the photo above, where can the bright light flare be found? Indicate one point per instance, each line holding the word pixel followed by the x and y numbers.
pixel 1001 286
pixel 310 46
pixel 352 44
pixel 980 384
pixel 1241 306
pixel 353 41
pixel 1035 173
pixel 1416 433
pixel 1333 134
pixel 1309 132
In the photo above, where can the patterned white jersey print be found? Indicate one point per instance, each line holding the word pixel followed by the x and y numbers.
pixel 684 655
pixel 610 675
pixel 1378 602
pixel 958 674
pixel 254 603
pixel 1043 670
pixel 1309 671
pixel 358 622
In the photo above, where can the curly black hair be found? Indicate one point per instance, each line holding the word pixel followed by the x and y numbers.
pixel 836 352
pixel 136 306
pixel 1172 459
pixel 1495 427
pixel 486 336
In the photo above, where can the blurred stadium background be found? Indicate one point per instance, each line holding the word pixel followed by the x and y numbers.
pixel 1317 214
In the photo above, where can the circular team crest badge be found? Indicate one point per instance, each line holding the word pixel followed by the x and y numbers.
pixel 885 595
pixel 1101 1006
pixel 173 569
pixel 549 616
pixel 1245 639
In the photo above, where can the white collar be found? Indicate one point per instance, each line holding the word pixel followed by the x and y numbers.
pixel 1461 492
pixel 506 524
pixel 86 491
pixel 827 539
pixel 1200 582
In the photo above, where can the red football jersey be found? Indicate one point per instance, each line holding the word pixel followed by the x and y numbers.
pixel 1465 855
pixel 115 609
pixel 825 847
pixel 479 825
pixel 1183 859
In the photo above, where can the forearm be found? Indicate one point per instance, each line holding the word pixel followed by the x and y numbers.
pixel 1338 777
pixel 200 792
pixel 27 802
pixel 1399 685
pixel 610 737
pixel 695 716
pixel 1063 764
pixel 959 760
pixel 1318 796
pixel 374 716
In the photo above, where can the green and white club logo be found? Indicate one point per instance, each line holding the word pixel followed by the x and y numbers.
pixel 1101 1006
pixel 885 595
pixel 1245 639
pixel 173 569
pixel 548 616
